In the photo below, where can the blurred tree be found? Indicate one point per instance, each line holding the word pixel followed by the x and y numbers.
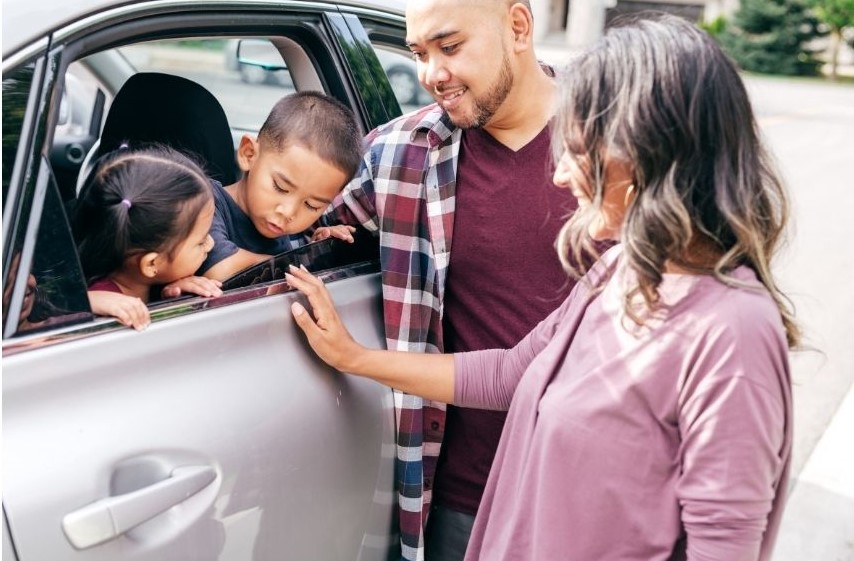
pixel 837 15
pixel 771 36
pixel 16 93
pixel 715 27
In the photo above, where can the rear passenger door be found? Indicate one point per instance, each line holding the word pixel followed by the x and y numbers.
pixel 215 433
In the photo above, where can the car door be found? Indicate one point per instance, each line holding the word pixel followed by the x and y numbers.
pixel 215 433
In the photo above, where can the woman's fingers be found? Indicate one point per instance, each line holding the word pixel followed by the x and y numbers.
pixel 314 290
pixel 303 319
pixel 325 332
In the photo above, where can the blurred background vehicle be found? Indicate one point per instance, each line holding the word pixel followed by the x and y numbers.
pixel 257 62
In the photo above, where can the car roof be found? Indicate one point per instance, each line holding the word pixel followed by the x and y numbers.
pixel 25 21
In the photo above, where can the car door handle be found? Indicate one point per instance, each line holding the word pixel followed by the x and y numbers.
pixel 111 517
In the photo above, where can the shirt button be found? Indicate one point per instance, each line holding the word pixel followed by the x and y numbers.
pixel 434 425
pixel 428 483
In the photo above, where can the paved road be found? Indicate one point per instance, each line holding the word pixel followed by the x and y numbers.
pixel 809 127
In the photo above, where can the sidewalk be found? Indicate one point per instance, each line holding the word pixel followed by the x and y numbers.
pixel 818 523
pixel 553 49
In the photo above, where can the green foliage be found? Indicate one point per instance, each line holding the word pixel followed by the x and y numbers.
pixel 715 28
pixel 16 93
pixel 836 14
pixel 771 36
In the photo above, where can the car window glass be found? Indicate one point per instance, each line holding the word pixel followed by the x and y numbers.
pixel 16 92
pixel 246 91
pixel 246 75
pixel 318 256
pixel 402 75
pixel 55 293
pixel 81 109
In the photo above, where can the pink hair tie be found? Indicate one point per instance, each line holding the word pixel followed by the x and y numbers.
pixel 127 203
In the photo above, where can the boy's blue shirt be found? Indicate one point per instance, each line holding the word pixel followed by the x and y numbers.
pixel 232 229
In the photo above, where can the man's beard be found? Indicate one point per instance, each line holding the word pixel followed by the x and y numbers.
pixel 486 105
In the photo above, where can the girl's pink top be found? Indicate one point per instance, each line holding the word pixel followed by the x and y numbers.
pixel 626 443
pixel 104 284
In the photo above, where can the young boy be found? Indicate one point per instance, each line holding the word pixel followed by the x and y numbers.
pixel 307 150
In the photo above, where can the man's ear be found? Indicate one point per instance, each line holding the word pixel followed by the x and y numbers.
pixel 148 264
pixel 247 152
pixel 522 25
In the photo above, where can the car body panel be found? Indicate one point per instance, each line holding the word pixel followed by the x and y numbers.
pixel 296 460
pixel 138 418
pixel 25 21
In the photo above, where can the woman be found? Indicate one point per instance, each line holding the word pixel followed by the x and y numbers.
pixel 649 416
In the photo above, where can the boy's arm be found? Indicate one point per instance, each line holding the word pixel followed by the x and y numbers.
pixel 234 263
pixel 225 257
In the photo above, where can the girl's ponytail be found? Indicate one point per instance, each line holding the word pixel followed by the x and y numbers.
pixel 137 201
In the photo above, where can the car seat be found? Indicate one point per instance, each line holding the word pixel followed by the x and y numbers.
pixel 153 107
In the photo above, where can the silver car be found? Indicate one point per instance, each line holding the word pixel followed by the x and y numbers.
pixel 215 433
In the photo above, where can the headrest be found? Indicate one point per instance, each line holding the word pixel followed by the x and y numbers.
pixel 153 107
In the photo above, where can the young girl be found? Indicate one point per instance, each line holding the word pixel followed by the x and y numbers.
pixel 650 416
pixel 142 221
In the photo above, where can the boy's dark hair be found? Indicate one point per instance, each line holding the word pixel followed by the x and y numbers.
pixel 319 123
pixel 137 201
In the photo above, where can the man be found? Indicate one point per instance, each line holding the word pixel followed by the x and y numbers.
pixel 470 172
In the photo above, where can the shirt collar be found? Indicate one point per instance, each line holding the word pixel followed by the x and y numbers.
pixel 436 125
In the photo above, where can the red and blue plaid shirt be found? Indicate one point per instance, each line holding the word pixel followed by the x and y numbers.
pixel 405 190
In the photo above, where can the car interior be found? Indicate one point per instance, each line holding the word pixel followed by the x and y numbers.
pixel 163 108
pixel 120 95
pixel 164 105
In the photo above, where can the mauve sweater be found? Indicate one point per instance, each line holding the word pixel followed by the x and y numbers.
pixel 666 442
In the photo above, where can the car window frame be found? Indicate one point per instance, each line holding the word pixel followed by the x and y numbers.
pixel 28 181
pixel 386 31
pixel 73 43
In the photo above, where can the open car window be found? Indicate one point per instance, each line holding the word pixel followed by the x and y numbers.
pixel 246 90
pixel 53 292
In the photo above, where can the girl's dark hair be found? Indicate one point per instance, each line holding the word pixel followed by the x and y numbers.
pixel 660 94
pixel 137 201
pixel 319 123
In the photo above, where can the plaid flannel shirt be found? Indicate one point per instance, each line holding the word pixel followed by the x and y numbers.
pixel 405 189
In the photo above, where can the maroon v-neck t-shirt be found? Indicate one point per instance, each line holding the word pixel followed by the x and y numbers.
pixel 504 277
